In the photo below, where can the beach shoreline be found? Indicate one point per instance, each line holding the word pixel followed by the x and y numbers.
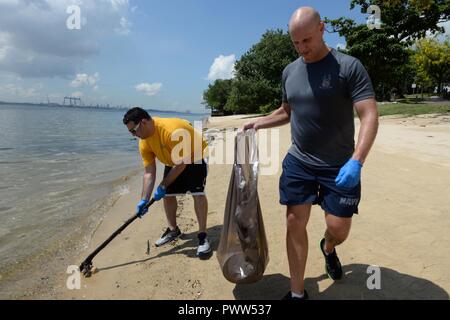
pixel 57 189
pixel 25 281
pixel 399 190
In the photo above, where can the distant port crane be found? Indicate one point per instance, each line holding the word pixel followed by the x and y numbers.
pixel 73 101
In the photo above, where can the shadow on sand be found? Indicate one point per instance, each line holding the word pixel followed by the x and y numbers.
pixel 353 286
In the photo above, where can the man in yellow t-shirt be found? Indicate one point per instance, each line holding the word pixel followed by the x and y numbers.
pixel 182 149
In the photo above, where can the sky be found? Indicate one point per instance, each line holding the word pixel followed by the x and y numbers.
pixel 157 54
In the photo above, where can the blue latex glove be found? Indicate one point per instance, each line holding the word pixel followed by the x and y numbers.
pixel 159 193
pixel 141 208
pixel 349 175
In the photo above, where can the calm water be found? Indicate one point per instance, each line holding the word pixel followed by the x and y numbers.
pixel 58 167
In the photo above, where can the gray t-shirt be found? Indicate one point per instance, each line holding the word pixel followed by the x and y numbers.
pixel 321 97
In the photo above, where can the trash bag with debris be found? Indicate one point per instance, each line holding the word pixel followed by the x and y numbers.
pixel 243 252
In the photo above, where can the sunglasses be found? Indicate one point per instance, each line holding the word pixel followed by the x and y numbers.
pixel 136 128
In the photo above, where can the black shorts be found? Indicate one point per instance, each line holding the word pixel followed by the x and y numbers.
pixel 192 180
pixel 304 184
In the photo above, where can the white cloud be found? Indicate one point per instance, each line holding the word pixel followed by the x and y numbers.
pixel 4 47
pixel 222 68
pixel 17 91
pixel 118 4
pixel 125 26
pixel 77 94
pixel 35 40
pixel 149 89
pixel 83 79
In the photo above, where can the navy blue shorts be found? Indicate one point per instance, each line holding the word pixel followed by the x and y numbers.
pixel 304 184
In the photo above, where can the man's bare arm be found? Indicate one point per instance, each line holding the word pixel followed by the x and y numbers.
pixel 277 118
pixel 148 182
pixel 368 116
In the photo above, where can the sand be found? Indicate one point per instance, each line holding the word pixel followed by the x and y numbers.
pixel 402 228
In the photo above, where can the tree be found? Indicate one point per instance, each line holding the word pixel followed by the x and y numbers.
pixel 257 84
pixel 384 52
pixel 216 95
pixel 433 61
pixel 259 71
pixel 248 96
pixel 267 59
pixel 404 20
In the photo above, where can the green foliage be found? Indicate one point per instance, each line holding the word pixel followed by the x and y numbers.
pixel 247 96
pixel 216 95
pixel 408 20
pixel 267 59
pixel 385 52
pixel 267 108
pixel 257 85
pixel 411 109
pixel 433 61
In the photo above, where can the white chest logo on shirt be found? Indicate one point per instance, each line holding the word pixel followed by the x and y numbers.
pixel 326 82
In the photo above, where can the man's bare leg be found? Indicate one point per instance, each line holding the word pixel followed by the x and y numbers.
pixel 171 206
pixel 297 244
pixel 201 210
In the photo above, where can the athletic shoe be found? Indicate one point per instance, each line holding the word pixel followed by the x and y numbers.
pixel 333 266
pixel 289 296
pixel 168 236
pixel 204 249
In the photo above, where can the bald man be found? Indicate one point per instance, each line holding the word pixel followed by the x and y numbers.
pixel 323 166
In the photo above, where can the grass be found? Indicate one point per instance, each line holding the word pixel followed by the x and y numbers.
pixel 411 109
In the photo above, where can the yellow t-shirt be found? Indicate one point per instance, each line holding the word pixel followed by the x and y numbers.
pixel 173 140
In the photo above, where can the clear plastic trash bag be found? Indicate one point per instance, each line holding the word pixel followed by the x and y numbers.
pixel 243 252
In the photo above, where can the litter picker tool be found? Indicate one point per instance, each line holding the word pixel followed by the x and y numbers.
pixel 86 266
